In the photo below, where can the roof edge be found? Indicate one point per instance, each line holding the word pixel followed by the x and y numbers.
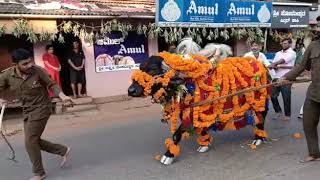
pixel 37 16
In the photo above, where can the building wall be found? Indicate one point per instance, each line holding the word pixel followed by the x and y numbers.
pixel 240 47
pixel 38 50
pixel 108 83
pixel 99 84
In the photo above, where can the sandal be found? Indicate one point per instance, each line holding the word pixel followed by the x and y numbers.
pixel 82 95
pixel 309 159
pixel 65 158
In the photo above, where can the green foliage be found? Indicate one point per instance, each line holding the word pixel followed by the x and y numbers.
pixel 170 34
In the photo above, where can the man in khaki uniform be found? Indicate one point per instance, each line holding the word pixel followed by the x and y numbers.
pixel 30 82
pixel 311 109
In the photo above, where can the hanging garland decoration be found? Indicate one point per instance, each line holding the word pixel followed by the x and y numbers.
pixel 2 30
pixel 171 34
pixel 278 36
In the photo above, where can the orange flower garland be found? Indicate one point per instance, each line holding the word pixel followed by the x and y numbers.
pixel 204 140
pixel 147 81
pixel 175 116
pixel 195 67
pixel 159 94
pixel 174 149
pixel 144 79
pixel 166 78
pixel 230 75
pixel 260 133
pixel 227 73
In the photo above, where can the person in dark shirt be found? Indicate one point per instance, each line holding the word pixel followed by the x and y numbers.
pixel 31 83
pixel 311 107
pixel 77 74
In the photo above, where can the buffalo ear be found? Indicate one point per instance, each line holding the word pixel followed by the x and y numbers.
pixel 143 66
pixel 156 60
pixel 152 60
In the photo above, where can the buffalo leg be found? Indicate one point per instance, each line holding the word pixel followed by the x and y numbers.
pixel 173 147
pixel 204 140
pixel 176 139
pixel 260 134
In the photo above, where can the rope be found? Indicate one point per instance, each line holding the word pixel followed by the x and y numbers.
pixel 13 153
pixel 210 101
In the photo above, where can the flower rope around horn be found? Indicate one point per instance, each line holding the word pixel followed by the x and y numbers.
pixel 147 81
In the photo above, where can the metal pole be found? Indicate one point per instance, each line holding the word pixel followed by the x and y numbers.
pixel 1 115
pixel 265 41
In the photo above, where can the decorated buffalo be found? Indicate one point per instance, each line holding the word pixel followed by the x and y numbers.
pixel 182 82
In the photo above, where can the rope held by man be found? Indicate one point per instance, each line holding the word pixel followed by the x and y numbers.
pixel 210 101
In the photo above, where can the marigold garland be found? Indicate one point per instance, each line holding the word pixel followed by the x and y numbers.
pixel 230 75
pixel 227 74
pixel 174 149
pixel 175 116
pixel 260 133
pixel 204 140
pixel 159 94
pixel 194 67
pixel 144 79
pixel 147 81
pixel 297 135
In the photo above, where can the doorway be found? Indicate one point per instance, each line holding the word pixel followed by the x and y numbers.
pixel 62 51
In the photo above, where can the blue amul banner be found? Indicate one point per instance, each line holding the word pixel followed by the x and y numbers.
pixel 248 12
pixel 114 53
pixel 213 13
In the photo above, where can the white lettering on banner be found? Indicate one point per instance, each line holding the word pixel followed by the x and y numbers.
pixel 133 50
pixel 276 13
pixel 295 20
pixel 285 21
pixel 233 10
pixel 117 68
pixel 108 41
pixel 202 10
pixel 293 13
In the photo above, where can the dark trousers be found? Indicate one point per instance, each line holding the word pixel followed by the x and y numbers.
pixel 286 96
pixel 311 115
pixel 34 144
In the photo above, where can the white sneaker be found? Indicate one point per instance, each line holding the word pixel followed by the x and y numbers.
pixel 300 116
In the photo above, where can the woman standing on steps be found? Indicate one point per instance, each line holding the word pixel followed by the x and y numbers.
pixel 52 65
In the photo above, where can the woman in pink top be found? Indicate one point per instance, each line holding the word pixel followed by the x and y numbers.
pixel 52 65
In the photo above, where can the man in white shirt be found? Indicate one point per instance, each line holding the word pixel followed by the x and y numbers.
pixel 282 63
pixel 255 48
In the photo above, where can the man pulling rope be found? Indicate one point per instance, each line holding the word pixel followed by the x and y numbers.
pixel 31 83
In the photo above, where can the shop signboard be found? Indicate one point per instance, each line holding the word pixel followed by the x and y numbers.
pixel 213 13
pixel 113 52
pixel 290 16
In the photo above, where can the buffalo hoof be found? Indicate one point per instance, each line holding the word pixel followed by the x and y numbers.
pixel 166 160
pixel 258 142
pixel 203 149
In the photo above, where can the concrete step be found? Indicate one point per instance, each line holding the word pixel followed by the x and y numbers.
pixel 85 100
pixel 80 104
pixel 82 107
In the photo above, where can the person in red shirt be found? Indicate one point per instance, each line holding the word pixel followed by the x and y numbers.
pixel 52 65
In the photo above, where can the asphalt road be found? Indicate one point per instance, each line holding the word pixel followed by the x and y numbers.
pixel 120 141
